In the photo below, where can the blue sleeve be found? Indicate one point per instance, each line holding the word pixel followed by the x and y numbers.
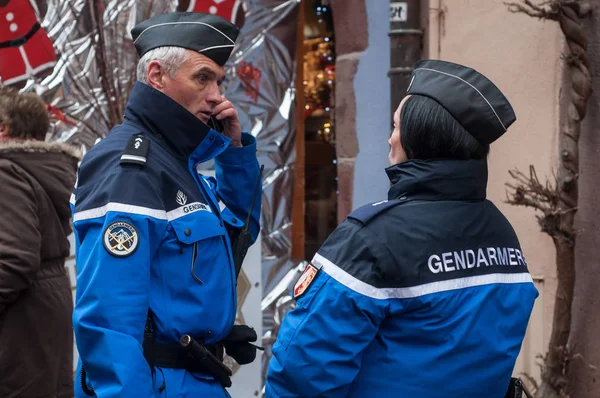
pixel 321 342
pixel 112 296
pixel 237 173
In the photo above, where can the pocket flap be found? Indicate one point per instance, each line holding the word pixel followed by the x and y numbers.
pixel 197 226
pixel 230 219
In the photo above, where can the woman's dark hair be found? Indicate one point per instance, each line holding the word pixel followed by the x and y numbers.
pixel 428 131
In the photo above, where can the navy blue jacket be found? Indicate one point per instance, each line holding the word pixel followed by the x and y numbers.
pixel 426 294
pixel 152 236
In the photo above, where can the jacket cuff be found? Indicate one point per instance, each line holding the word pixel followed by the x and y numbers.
pixel 240 155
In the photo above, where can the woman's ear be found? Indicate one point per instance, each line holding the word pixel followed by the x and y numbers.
pixel 4 130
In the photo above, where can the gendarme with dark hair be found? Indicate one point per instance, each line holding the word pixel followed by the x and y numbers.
pixel 430 283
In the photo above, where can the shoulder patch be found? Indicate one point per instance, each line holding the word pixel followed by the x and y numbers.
pixel 366 213
pixel 136 151
pixel 121 239
pixel 309 274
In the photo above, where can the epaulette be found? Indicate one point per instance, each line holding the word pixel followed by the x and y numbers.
pixel 366 213
pixel 136 151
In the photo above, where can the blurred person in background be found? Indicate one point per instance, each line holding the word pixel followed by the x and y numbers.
pixel 36 180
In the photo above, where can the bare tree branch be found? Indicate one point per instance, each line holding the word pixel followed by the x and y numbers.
pixel 558 200
pixel 539 11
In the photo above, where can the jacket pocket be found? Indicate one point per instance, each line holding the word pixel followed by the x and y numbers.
pixel 201 235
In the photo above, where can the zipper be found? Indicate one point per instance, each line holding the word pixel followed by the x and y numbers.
pixel 194 257
pixel 87 390
pixel 217 212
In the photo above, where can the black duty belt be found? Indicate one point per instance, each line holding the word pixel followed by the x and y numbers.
pixel 174 356
pixel 190 354
pixel 18 42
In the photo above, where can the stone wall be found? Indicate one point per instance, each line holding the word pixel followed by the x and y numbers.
pixel 351 39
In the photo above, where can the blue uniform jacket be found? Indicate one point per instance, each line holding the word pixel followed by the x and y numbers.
pixel 150 235
pixel 426 294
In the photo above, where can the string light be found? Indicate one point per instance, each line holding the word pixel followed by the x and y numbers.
pixel 319 76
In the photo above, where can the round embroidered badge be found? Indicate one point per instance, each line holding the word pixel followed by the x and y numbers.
pixel 121 239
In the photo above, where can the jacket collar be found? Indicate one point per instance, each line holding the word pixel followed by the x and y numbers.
pixel 14 145
pixel 173 125
pixel 442 179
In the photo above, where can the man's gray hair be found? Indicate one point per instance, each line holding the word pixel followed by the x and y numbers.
pixel 170 58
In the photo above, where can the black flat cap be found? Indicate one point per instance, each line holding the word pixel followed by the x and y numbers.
pixel 474 101
pixel 210 35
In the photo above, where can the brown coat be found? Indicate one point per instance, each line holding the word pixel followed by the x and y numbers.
pixel 36 338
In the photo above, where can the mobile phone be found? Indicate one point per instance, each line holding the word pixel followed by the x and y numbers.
pixel 215 124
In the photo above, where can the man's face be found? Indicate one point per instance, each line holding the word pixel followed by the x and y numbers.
pixel 195 85
pixel 397 154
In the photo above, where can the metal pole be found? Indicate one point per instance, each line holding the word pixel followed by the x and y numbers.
pixel 406 45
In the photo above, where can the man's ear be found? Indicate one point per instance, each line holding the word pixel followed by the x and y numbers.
pixel 156 75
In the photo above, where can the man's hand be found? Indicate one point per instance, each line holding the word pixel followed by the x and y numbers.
pixel 227 114
pixel 238 344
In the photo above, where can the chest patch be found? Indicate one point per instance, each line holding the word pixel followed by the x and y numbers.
pixel 309 274
pixel 121 239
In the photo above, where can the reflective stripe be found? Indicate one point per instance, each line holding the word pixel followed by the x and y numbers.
pixel 415 291
pixel 143 211
pixel 119 207
pixel 187 209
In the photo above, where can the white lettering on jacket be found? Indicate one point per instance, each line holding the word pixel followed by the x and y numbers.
pixel 470 258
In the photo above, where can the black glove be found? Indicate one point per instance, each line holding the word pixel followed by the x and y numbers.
pixel 238 344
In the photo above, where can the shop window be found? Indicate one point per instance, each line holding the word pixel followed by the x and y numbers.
pixel 320 217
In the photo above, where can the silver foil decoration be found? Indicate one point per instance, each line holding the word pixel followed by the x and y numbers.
pixel 260 83
pixel 96 63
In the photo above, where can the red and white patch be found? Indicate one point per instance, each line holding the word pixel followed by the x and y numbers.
pixel 305 280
